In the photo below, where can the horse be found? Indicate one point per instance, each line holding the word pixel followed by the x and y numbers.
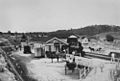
pixel 92 49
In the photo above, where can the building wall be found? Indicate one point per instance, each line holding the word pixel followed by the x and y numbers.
pixel 48 46
pixel 85 40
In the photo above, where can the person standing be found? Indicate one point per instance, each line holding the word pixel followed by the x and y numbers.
pixel 57 56
pixel 112 57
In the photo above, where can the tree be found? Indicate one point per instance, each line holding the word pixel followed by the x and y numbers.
pixel 23 38
pixel 109 38
pixel 9 32
pixel 1 33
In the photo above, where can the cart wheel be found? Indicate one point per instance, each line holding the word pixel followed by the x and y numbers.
pixel 65 70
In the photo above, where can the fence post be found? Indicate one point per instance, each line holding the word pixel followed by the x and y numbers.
pixel 95 68
pixel 84 71
pixel 80 74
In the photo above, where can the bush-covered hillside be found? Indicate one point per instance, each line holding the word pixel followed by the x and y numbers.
pixel 88 30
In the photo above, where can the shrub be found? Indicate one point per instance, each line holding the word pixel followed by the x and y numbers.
pixel 109 38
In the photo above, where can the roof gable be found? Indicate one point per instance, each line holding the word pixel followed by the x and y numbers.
pixel 55 39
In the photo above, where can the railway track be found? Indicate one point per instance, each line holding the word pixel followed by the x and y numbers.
pixel 11 66
pixel 95 55
pixel 100 56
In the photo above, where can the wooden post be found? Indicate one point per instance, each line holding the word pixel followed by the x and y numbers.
pixel 95 68
pixel 84 72
pixel 80 74
pixel 101 67
pixel 88 69
pixel 118 60
pixel 52 60
pixel 65 70
pixel 112 74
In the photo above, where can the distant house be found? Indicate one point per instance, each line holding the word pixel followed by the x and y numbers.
pixel 116 42
pixel 55 44
pixel 84 41
pixel 81 37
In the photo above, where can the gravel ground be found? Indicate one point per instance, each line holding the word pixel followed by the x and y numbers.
pixel 43 70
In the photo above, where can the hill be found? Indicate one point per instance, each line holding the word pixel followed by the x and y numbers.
pixel 116 35
pixel 88 30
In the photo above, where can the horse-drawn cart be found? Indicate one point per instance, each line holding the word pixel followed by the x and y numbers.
pixel 70 63
pixel 76 63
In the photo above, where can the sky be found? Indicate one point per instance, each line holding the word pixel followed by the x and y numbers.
pixel 51 15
